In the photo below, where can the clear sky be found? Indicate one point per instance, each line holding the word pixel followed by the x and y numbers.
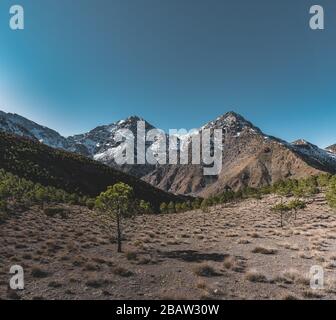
pixel 177 63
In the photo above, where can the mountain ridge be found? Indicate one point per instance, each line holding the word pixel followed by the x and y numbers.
pixel 70 172
pixel 250 157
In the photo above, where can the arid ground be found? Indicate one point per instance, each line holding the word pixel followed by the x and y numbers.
pixel 236 251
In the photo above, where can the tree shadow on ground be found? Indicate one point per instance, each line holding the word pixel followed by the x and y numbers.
pixel 193 256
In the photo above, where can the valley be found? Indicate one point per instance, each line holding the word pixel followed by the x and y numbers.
pixel 167 151
pixel 237 239
pixel 235 251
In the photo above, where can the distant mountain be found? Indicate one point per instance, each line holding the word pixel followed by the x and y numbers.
pixel 250 157
pixel 101 144
pixel 13 123
pixel 71 172
pixel 332 148
pixel 323 159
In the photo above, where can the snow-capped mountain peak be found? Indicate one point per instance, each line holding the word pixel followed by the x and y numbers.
pixel 240 137
pixel 101 140
pixel 332 148
pixel 232 124
pixel 314 153
pixel 16 124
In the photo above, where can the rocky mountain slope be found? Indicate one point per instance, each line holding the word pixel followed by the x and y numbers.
pixel 250 157
pixel 101 144
pixel 71 172
pixel 16 124
pixel 332 148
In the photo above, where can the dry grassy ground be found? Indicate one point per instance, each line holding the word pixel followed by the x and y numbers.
pixel 234 252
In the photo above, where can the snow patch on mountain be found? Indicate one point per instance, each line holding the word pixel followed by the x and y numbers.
pixel 16 124
pixel 102 144
pixel 324 157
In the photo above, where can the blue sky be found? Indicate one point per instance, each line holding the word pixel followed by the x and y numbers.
pixel 177 63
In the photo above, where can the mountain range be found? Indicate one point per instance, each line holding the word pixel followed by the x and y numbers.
pixel 71 172
pixel 250 157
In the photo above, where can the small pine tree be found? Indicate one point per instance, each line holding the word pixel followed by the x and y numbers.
pixel 296 205
pixel 205 205
pixel 163 208
pixel 3 206
pixel 196 204
pixel 116 201
pixel 323 179
pixel 178 207
pixel 90 203
pixel 205 208
pixel 331 192
pixel 171 207
pixel 281 209
pixel 145 207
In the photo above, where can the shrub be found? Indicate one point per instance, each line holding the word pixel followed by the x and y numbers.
pixel 196 204
pixel 323 179
pixel 37 272
pixel 130 255
pixel 263 250
pixel 331 192
pixel 281 209
pixel 205 271
pixel 255 276
pixel 90 203
pixel 53 211
pixel 145 207
pixel 3 211
pixel 171 207
pixel 3 216
pixel 296 205
pixel 96 283
pixel 163 207
pixel 120 271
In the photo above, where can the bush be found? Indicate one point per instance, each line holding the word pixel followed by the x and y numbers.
pixel 3 211
pixel 37 272
pixel 3 206
pixel 171 207
pixel 90 203
pixel 206 203
pixel 262 250
pixel 28 192
pixel 145 207
pixel 281 209
pixel 53 211
pixel 205 271
pixel 163 207
pixel 122 272
pixel 255 276
pixel 323 179
pixel 196 204
pixel 297 204
pixel 131 255
pixel 3 217
pixel 331 192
